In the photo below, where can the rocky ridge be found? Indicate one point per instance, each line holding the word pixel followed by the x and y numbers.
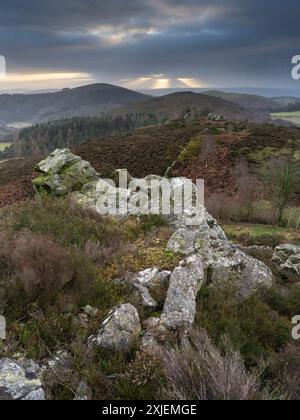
pixel 208 257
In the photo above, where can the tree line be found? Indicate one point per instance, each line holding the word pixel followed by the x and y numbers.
pixel 44 138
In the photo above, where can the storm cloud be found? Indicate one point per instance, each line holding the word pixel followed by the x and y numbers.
pixel 155 43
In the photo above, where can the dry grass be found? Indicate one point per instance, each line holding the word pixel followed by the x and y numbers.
pixel 199 371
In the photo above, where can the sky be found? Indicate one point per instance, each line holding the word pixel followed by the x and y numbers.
pixel 146 44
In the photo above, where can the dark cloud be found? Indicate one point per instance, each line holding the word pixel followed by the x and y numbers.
pixel 219 42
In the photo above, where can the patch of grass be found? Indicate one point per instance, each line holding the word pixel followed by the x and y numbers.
pixel 192 149
pixel 4 146
pixel 265 154
pixel 293 117
pixel 66 225
pixel 262 235
pixel 253 327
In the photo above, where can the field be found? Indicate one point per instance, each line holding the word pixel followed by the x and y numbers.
pixel 293 117
pixel 4 146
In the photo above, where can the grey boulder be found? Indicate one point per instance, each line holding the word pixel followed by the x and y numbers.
pixel 62 172
pixel 20 381
pixel 120 331
pixel 198 233
pixel 287 260
pixel 180 305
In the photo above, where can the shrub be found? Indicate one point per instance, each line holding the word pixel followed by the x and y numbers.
pixel 62 222
pixel 285 370
pixel 253 327
pixel 199 371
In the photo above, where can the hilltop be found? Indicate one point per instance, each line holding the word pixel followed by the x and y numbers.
pixel 85 101
pixel 254 102
pixel 174 105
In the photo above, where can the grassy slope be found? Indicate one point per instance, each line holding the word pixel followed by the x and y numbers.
pixel 4 146
pixel 293 117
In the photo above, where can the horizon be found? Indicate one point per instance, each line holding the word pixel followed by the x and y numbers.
pixel 266 91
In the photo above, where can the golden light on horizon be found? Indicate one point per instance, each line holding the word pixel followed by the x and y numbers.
pixel 191 83
pixel 160 81
pixel 162 84
pixel 44 77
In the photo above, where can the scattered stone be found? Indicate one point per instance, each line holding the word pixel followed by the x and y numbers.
pixel 287 259
pixel 81 320
pixel 83 392
pixel 151 278
pixel 18 382
pixel 91 312
pixel 147 299
pixel 61 362
pixel 119 331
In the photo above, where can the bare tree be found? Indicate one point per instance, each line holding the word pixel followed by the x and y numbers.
pixel 208 148
pixel 282 175
pixel 248 187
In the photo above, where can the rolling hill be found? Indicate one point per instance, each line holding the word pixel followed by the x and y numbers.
pixel 85 101
pixel 247 101
pixel 173 105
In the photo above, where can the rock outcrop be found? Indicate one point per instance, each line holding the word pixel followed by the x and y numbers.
pixel 198 233
pixel 62 172
pixel 180 305
pixel 20 381
pixel 287 260
pixel 120 331
pixel 208 256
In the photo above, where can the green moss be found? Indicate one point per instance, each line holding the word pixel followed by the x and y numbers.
pixel 192 149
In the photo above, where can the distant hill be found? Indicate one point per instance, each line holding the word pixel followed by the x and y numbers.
pixel 286 100
pixel 247 101
pixel 173 105
pixel 85 101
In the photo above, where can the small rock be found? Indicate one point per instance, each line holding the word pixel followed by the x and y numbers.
pixel 17 383
pixel 91 312
pixel 81 320
pixel 119 331
pixel 83 392
pixel 147 299
pixel 61 362
pixel 151 277
pixel 287 259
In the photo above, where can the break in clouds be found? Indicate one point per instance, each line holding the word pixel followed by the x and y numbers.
pixel 157 43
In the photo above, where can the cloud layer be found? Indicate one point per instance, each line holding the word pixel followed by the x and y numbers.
pixel 158 42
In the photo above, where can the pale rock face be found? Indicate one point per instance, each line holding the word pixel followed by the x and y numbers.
pixel 62 172
pixel 56 161
pixel 18 382
pixel 151 277
pixel 180 305
pixel 147 299
pixel 147 280
pixel 287 259
pixel 119 331
pixel 224 262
